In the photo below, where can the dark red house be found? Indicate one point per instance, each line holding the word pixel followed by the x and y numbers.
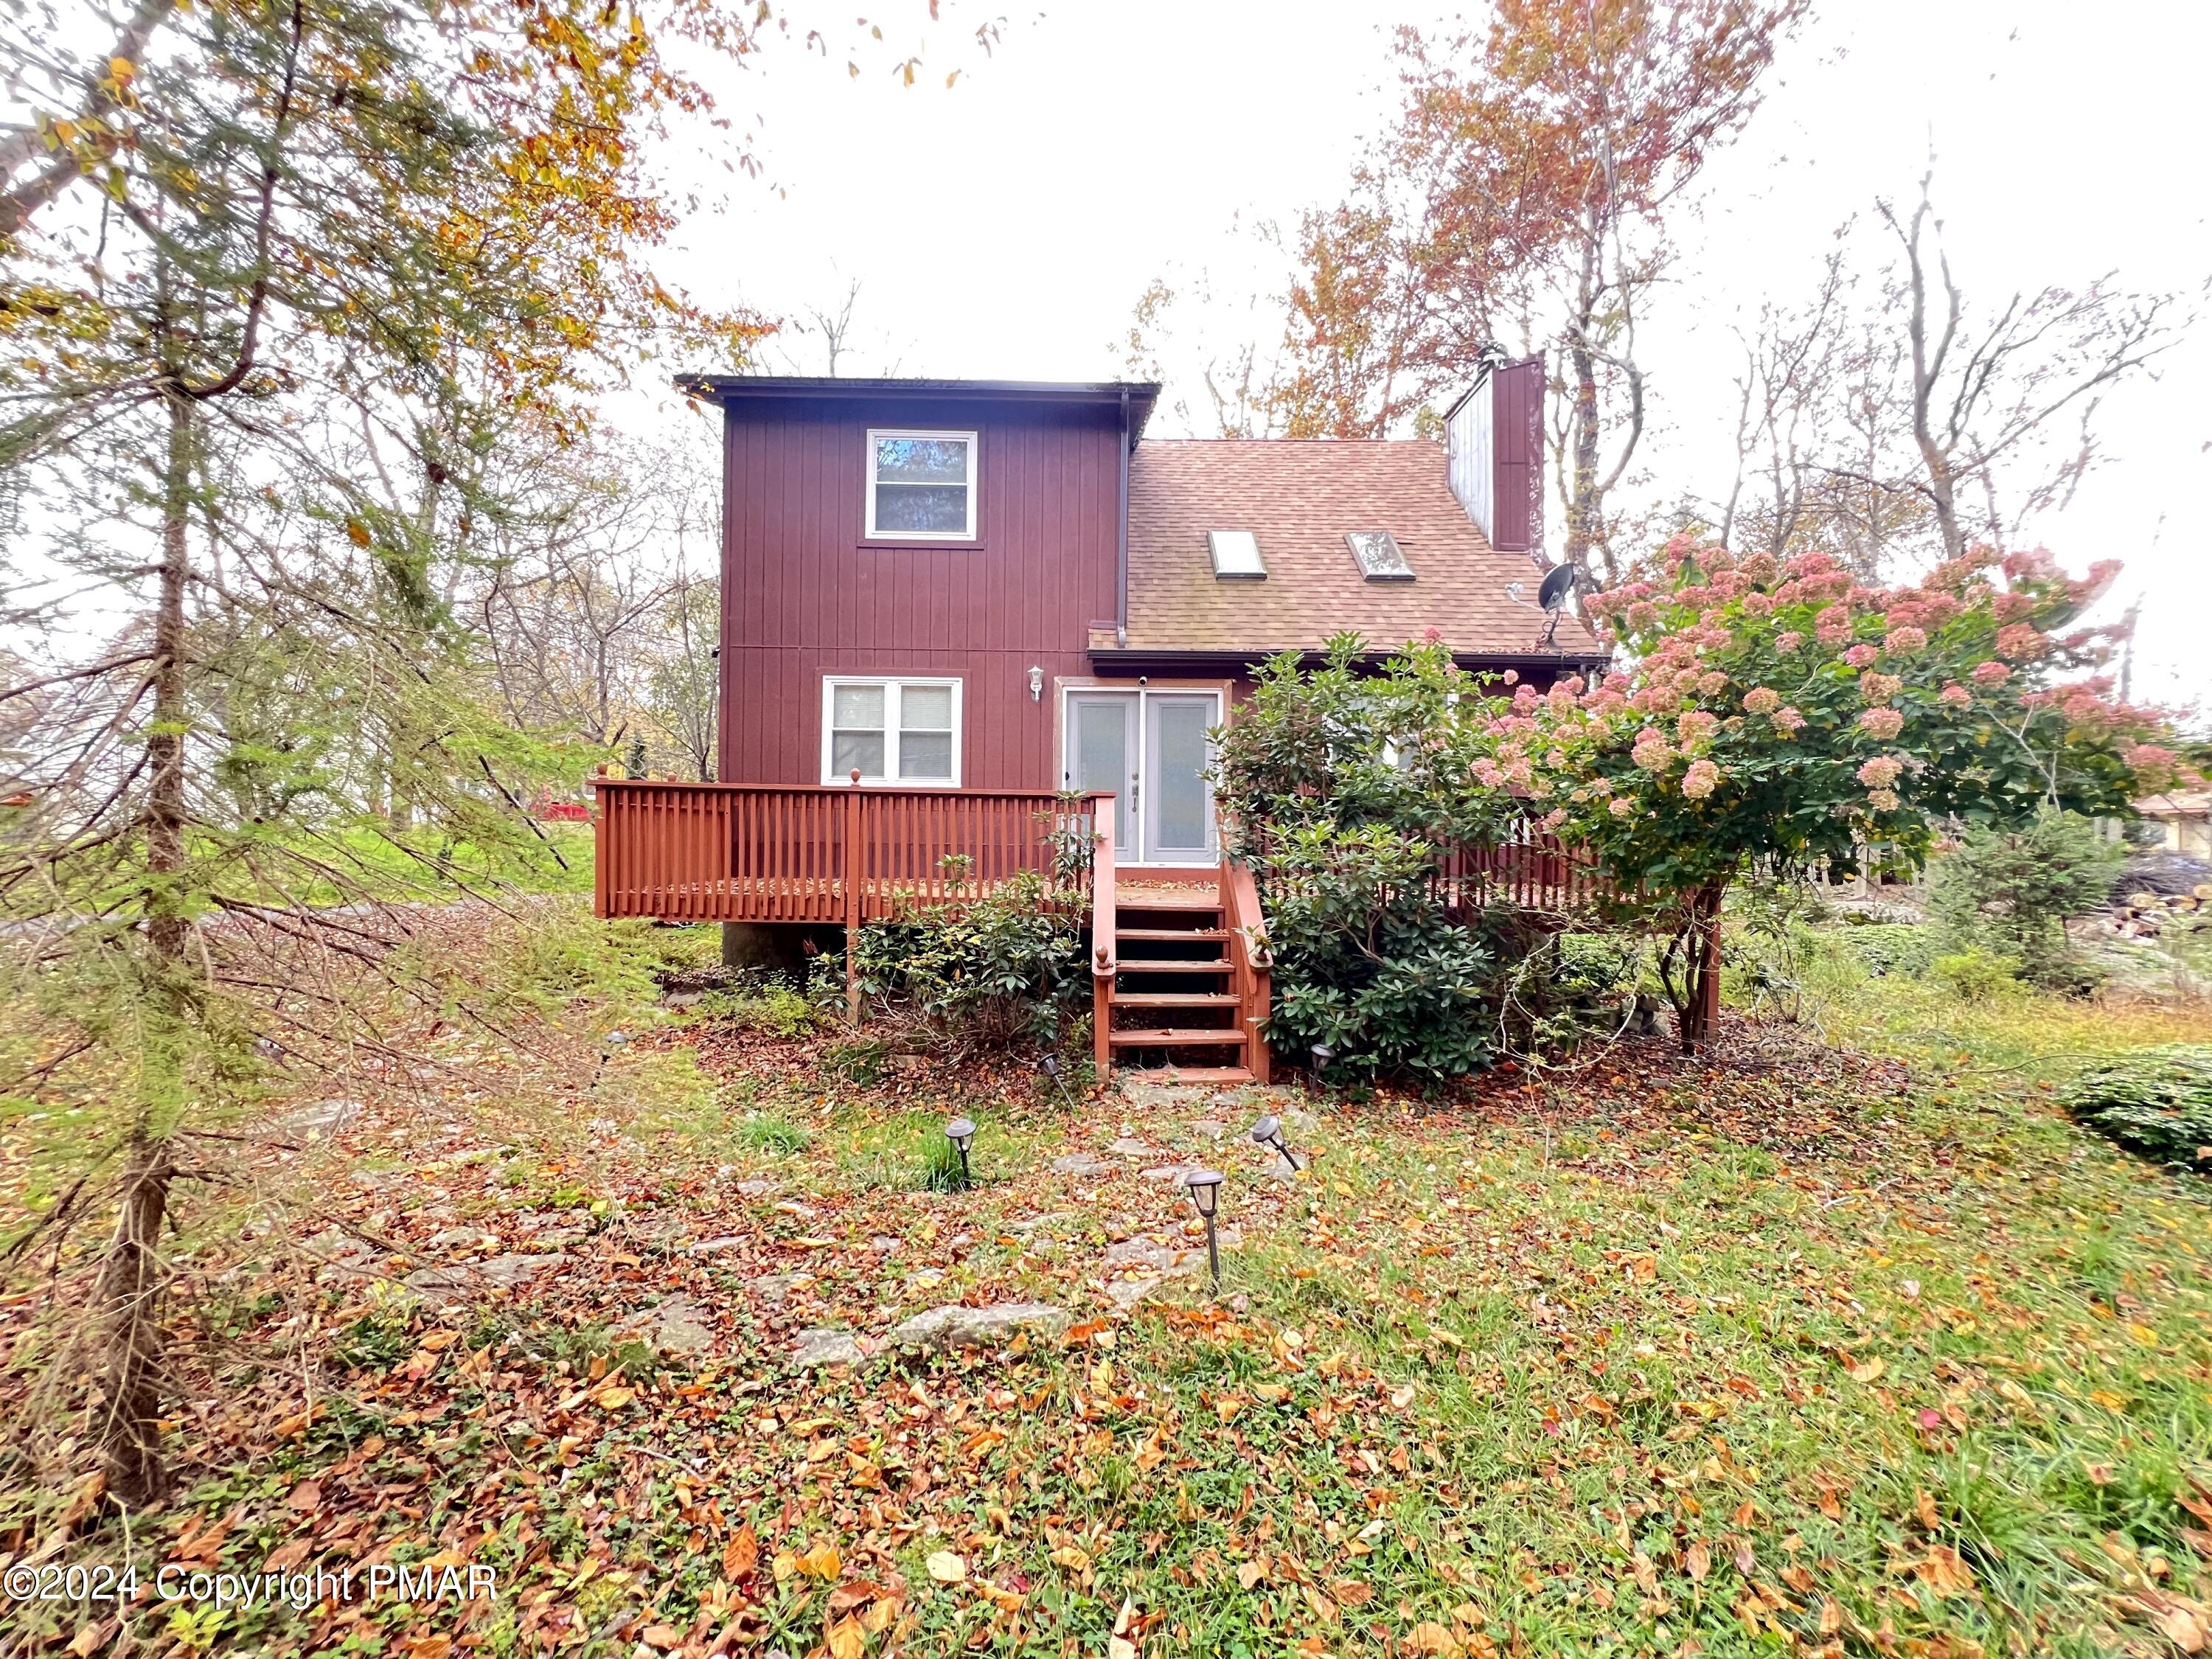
pixel 976 595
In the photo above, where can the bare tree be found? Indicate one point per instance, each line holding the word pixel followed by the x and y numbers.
pixel 1988 397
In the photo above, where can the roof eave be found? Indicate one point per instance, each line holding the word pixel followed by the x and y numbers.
pixel 726 389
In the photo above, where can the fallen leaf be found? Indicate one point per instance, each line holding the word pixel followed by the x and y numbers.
pixel 1699 1560
pixel 822 1562
pixel 1430 1637
pixel 614 1398
pixel 1869 1370
pixel 739 1554
pixel 847 1639
pixel 946 1568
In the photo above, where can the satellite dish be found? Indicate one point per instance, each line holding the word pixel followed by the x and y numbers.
pixel 1559 584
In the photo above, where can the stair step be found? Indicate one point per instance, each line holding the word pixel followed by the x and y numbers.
pixel 1176 999
pixel 1139 899
pixel 1177 1037
pixel 1187 1074
pixel 1168 965
pixel 1170 933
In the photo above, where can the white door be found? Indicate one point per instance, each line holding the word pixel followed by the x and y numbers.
pixel 1178 801
pixel 1102 754
pixel 1150 748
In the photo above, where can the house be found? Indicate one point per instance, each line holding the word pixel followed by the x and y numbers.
pixel 946 605
pixel 2184 819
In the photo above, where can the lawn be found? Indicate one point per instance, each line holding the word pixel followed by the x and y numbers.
pixel 1850 1345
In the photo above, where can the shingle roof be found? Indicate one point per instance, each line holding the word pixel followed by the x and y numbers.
pixel 1299 496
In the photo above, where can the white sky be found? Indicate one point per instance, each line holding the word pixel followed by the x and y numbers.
pixel 1007 226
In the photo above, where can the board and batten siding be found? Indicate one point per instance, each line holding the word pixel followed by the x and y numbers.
pixel 805 593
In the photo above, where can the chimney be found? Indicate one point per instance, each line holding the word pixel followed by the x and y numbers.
pixel 1494 455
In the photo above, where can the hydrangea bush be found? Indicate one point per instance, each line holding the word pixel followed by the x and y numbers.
pixel 1764 714
pixel 1778 714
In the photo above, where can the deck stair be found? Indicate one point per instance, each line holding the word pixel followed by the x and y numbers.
pixel 1177 995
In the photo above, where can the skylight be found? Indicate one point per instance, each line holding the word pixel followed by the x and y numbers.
pixel 1381 559
pixel 1235 555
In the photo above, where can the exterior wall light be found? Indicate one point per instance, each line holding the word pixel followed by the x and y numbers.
pixel 1268 1131
pixel 1036 684
pixel 1204 1188
pixel 960 1132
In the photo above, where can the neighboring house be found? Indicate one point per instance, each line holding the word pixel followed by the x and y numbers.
pixel 2184 820
pixel 974 595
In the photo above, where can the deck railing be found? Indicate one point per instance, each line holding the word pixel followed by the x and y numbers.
pixel 735 852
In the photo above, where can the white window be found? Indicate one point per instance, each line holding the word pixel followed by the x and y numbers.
pixel 891 730
pixel 921 486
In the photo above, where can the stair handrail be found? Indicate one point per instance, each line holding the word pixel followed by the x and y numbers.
pixel 1102 966
pixel 1251 958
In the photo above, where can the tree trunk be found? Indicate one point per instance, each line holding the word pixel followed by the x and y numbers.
pixel 1701 1005
pixel 131 1276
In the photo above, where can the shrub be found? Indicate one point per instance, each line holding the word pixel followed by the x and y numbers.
pixel 1891 949
pixel 1004 968
pixel 2156 1102
pixel 1975 975
pixel 777 1009
pixel 1366 961
pixel 2011 891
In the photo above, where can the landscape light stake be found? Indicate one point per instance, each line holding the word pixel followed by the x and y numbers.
pixel 960 1132
pixel 1205 1187
pixel 1049 1063
pixel 1268 1131
pixel 1321 1055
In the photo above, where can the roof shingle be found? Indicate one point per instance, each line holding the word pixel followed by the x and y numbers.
pixel 1300 496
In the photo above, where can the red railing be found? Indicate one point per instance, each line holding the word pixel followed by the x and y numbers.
pixel 735 852
pixel 1251 963
pixel 1532 869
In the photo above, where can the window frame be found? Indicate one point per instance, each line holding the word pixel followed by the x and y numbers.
pixel 894 688
pixel 871 531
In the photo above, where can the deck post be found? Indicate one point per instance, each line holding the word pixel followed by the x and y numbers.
pixel 852 878
pixel 1102 939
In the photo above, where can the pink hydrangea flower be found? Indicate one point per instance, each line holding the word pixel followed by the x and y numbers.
pixel 1883 800
pixel 1955 695
pixel 2020 641
pixel 1833 625
pixel 1862 656
pixel 1761 699
pixel 1991 674
pixel 1788 720
pixel 1883 723
pixel 1881 771
pixel 1698 781
pixel 1620 807
pixel 1904 642
pixel 1712 685
pixel 1786 643
pixel 1756 604
pixel 1697 726
pixel 1879 688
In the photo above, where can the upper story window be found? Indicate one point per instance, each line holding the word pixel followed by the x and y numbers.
pixel 921 486
pixel 891 730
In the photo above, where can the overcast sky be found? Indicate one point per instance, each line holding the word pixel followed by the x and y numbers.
pixel 1006 226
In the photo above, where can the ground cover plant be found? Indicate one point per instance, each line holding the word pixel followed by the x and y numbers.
pixel 1863 1349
